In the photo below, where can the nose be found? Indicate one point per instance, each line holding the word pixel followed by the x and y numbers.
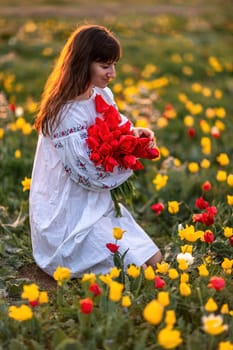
pixel 111 72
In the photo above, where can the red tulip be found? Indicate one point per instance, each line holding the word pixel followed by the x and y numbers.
pixel 215 132
pixel 95 289
pixel 101 105
pixel 217 283
pixel 112 247
pixel 12 107
pixel 34 303
pixel 201 203
pixel 157 208
pixel 86 305
pixel 209 236
pixel 206 186
pixel 159 282
pixel 231 240
pixel 191 132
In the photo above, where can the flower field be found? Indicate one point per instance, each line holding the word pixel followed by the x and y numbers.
pixel 175 77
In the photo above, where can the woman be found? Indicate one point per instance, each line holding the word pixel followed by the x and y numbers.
pixel 71 210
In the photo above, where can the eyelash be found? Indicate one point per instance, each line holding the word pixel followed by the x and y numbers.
pixel 106 67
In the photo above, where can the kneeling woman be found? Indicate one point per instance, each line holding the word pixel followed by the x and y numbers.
pixel 71 210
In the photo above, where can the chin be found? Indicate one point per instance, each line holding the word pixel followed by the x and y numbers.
pixel 102 85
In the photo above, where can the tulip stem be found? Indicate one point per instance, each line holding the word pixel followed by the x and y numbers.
pixel 139 284
pixel 200 298
pixel 60 295
pixel 145 206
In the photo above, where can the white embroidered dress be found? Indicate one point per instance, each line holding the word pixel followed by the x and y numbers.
pixel 71 210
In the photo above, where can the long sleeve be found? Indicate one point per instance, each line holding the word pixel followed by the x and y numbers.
pixel 74 154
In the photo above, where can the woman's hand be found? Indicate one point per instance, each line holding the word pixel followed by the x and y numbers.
pixel 145 132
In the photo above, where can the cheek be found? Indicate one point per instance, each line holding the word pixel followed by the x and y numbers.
pixel 98 74
pixel 95 72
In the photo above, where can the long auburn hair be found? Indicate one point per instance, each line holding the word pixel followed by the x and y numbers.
pixel 71 74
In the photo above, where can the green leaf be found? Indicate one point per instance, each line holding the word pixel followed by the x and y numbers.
pixel 35 345
pixel 58 336
pixel 124 254
pixel 69 344
pixel 117 260
pixel 15 344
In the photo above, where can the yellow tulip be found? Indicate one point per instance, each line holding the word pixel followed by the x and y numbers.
pixel 114 272
pixel 203 270
pixel 149 273
pixel 30 292
pixel 193 167
pixel 126 301
pixel 225 345
pixel 153 312
pixel 211 305
pixel 162 268
pixel 183 265
pixel 117 232
pixel 205 163
pixel 160 181
pixel 184 277
pixel 61 275
pixel 173 274
pixel 21 313
pixel 213 324
pixel 169 338
pixel 26 183
pixel 229 200
pixel 106 279
pixel 163 298
pixel 230 180
pixel 173 207
pixel 17 154
pixel 224 309
pixel 185 289
pixel 43 297
pixel 228 231
pixel 223 159
pixel 90 277
pixel 134 271
pixel 221 176
pixel 115 291
pixel 170 318
pixel 1 133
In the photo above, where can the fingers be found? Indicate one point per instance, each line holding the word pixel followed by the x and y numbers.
pixel 144 132
pixel 136 132
pixel 152 144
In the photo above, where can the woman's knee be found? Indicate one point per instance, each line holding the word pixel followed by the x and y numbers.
pixel 156 258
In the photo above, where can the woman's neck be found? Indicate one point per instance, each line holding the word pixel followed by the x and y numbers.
pixel 86 95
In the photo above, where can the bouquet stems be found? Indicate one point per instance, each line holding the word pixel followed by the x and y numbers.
pixel 126 193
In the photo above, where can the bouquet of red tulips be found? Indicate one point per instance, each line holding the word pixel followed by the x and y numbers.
pixel 113 143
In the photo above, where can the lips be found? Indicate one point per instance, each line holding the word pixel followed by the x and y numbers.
pixel 106 81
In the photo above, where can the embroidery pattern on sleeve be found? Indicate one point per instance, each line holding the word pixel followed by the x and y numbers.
pixel 69 131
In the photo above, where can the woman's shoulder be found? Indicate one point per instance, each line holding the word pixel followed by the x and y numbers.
pixel 83 112
pixel 72 116
pixel 75 110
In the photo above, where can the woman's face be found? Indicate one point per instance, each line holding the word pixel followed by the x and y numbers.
pixel 102 73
